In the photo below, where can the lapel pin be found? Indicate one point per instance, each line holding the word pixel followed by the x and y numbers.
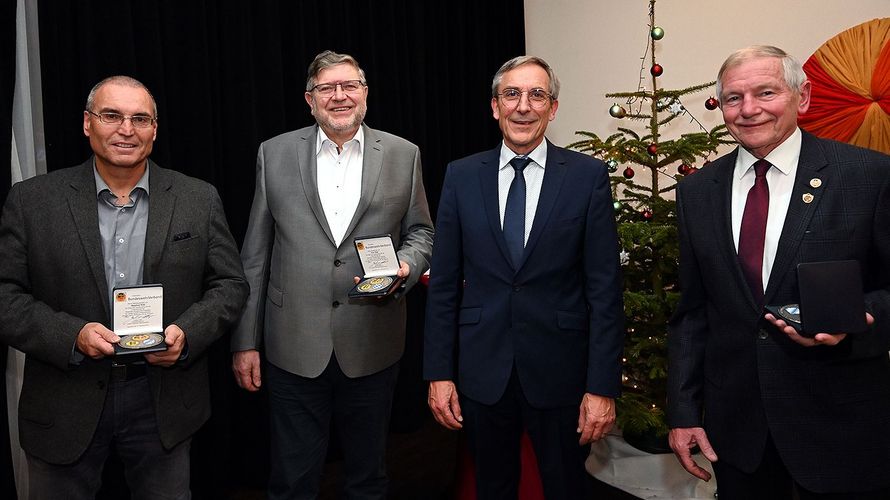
pixel 815 182
pixel 807 198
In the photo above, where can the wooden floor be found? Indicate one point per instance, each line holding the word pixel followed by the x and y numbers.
pixel 421 466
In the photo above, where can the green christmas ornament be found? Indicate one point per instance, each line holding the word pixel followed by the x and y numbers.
pixel 616 205
pixel 657 33
pixel 613 166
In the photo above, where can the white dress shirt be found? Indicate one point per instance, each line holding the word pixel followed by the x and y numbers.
pixel 780 178
pixel 339 177
pixel 534 175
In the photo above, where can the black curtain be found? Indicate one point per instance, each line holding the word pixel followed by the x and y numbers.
pixel 7 86
pixel 229 74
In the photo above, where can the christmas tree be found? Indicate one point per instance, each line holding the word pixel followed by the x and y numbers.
pixel 647 227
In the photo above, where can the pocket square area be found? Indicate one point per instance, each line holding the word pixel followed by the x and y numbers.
pixel 182 236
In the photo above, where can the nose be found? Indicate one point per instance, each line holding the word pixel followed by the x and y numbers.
pixel 524 105
pixel 126 127
pixel 338 92
pixel 749 107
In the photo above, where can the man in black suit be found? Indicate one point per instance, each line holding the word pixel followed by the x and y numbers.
pixel 524 325
pixel 782 411
pixel 67 239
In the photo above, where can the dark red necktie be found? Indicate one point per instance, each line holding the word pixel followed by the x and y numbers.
pixel 752 235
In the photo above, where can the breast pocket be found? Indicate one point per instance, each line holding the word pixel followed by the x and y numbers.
pixel 186 254
pixel 828 244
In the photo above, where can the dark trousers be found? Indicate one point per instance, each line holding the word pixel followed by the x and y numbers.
pixel 301 411
pixel 128 424
pixel 772 481
pixel 494 433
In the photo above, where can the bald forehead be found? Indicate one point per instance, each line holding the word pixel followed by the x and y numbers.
pixel 122 97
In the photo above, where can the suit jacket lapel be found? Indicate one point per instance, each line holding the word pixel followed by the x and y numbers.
pixel 488 180
pixel 810 166
pixel 721 205
pixel 83 205
pixel 554 173
pixel 372 165
pixel 161 203
pixel 306 160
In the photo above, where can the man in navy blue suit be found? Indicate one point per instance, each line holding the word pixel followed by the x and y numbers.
pixel 524 325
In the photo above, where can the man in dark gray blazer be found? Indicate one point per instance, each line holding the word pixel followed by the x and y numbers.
pixel 329 358
pixel 783 412
pixel 67 239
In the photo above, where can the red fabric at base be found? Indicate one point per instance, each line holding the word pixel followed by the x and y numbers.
pixel 529 481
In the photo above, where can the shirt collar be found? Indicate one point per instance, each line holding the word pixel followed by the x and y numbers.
pixel 784 157
pixel 321 138
pixel 538 155
pixel 102 186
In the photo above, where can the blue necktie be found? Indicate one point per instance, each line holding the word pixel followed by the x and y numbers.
pixel 514 212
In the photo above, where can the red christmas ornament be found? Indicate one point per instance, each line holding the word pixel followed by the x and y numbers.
pixel 647 214
pixel 628 173
pixel 656 70
pixel 711 103
pixel 691 171
pixel 652 149
pixel 684 169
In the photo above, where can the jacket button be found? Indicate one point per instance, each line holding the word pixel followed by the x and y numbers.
pixel 337 263
pixel 517 288
pixel 336 304
pixel 762 335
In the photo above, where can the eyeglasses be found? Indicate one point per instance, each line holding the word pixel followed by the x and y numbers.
pixel 138 121
pixel 537 98
pixel 347 86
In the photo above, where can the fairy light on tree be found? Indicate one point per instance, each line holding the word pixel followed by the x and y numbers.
pixel 647 223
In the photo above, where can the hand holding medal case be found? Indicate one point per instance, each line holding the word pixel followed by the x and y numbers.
pixel 138 319
pixel 831 299
pixel 380 266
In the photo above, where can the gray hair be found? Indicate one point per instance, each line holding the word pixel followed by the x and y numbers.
pixel 520 61
pixel 327 59
pixel 126 81
pixel 792 70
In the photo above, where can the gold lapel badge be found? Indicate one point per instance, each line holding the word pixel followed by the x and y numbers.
pixel 807 198
pixel 815 182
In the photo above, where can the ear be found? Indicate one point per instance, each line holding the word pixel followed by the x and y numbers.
pixel 805 93
pixel 494 108
pixel 553 107
pixel 308 96
pixel 86 123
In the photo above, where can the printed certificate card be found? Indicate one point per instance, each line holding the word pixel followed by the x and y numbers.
pixel 380 266
pixel 138 319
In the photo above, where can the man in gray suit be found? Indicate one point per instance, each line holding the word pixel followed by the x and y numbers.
pixel 329 358
pixel 67 239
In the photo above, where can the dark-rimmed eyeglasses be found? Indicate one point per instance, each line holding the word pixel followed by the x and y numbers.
pixel 347 86
pixel 138 121
pixel 537 98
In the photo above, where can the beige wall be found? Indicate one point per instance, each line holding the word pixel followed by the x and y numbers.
pixel 595 47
